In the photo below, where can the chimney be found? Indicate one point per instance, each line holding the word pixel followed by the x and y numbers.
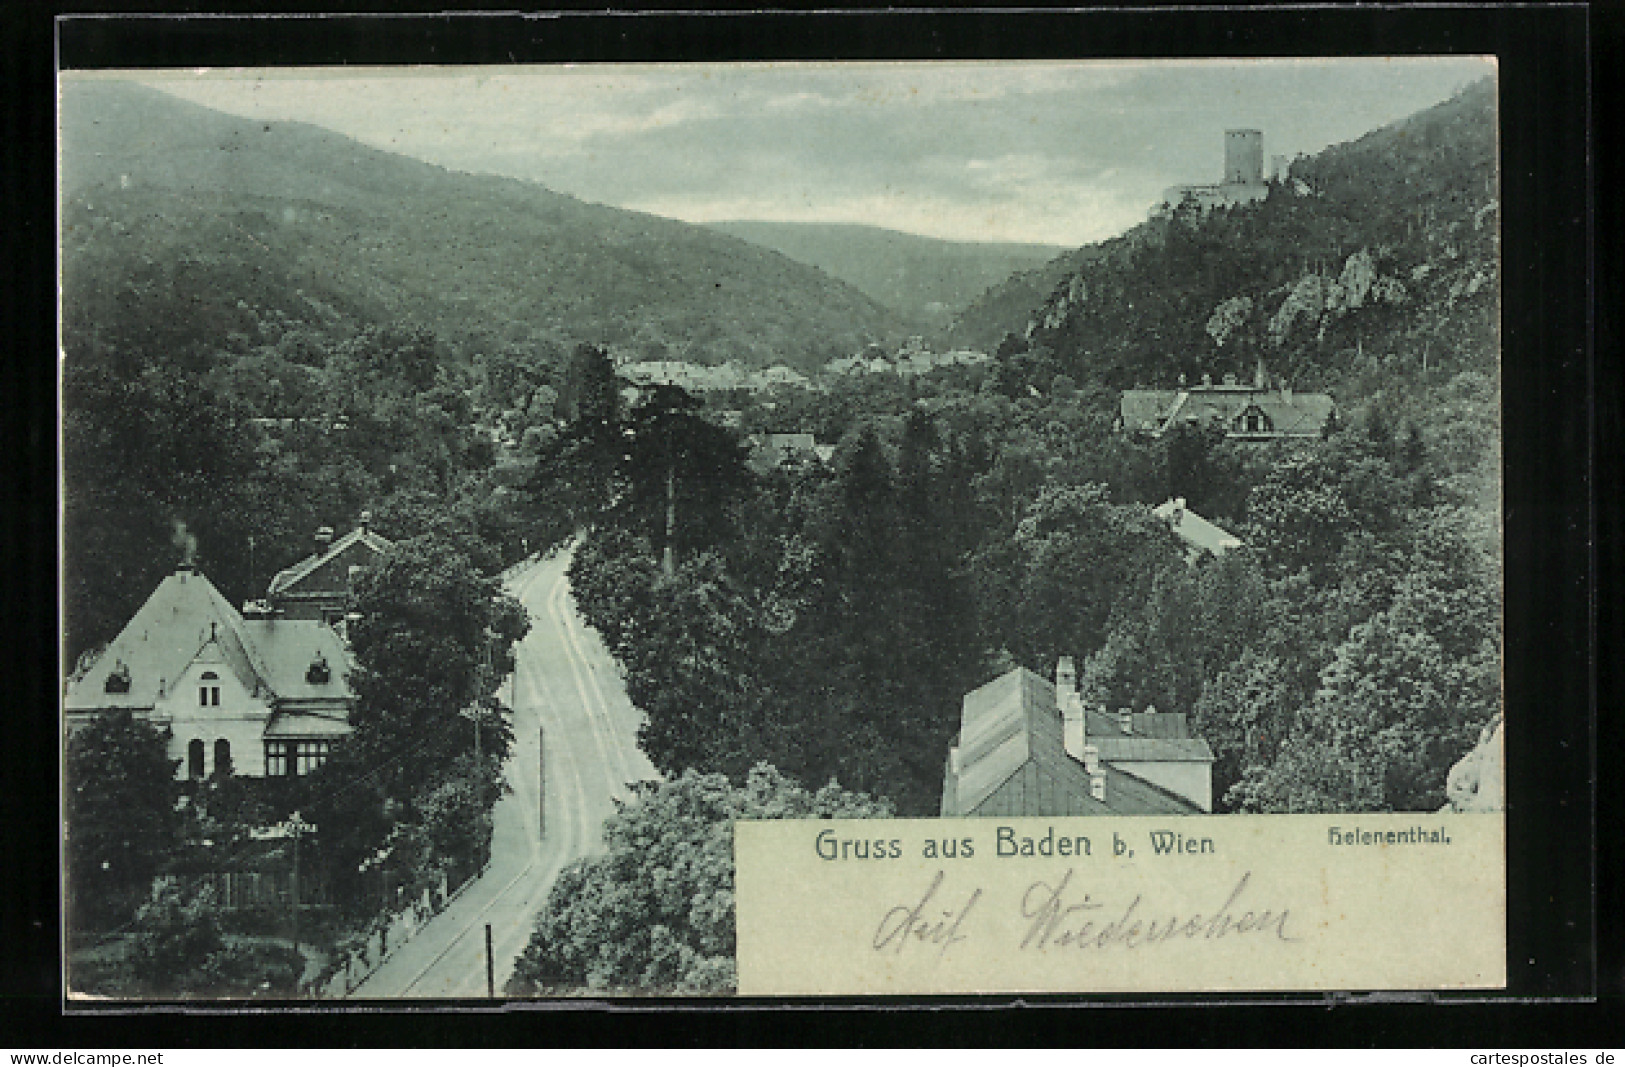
pixel 366 516
pixel 1125 720
pixel 1286 392
pixel 1207 381
pixel 1261 378
pixel 324 537
pixel 1066 695
pixel 1178 513
pixel 1097 787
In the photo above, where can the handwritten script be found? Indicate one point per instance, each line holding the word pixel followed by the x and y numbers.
pixel 1058 915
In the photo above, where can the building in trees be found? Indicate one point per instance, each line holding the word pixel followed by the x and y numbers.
pixel 318 587
pixel 1255 411
pixel 265 696
pixel 1196 533
pixel 769 451
pixel 1027 747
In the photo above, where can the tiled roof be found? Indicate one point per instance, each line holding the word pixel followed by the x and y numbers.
pixel 186 617
pixel 1299 414
pixel 1012 726
pixel 1153 749
pixel 296 573
pixel 1195 530
pixel 287 647
pixel 182 616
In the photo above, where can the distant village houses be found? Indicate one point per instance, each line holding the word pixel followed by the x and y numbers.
pixel 1027 747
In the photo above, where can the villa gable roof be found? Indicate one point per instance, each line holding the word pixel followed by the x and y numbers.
pixel 187 620
pixel 184 616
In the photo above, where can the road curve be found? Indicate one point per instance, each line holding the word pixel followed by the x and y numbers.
pixel 570 705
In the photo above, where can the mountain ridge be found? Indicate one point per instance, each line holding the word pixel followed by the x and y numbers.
pixel 275 216
pixel 928 278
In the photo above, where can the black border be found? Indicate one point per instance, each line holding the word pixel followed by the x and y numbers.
pixel 1551 417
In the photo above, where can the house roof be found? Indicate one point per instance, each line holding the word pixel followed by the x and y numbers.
pixel 1153 749
pixel 186 619
pixel 1295 414
pixel 297 573
pixel 185 614
pixel 287 647
pixel 1195 530
pixel 769 450
pixel 1014 720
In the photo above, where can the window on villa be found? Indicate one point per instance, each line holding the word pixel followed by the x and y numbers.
pixel 222 758
pixel 194 759
pixel 209 694
pixel 294 758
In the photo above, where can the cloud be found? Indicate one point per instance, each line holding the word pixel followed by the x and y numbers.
pixel 1053 151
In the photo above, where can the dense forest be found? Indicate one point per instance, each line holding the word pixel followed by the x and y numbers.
pixel 183 225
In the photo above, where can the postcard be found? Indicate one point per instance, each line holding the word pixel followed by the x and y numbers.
pixel 781 529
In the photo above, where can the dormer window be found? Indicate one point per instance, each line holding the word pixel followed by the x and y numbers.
pixel 118 680
pixel 319 673
pixel 1254 421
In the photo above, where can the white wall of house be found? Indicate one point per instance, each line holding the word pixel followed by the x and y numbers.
pixel 1190 779
pixel 239 718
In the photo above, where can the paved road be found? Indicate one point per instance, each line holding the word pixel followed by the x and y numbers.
pixel 567 699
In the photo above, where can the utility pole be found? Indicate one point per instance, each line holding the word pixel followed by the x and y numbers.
pixel 668 562
pixel 490 965
pixel 541 782
pixel 295 888
pixel 296 827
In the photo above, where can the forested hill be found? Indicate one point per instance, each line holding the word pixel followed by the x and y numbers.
pixel 182 224
pixel 1376 263
pixel 927 279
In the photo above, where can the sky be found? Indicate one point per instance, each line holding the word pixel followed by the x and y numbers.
pixel 1055 153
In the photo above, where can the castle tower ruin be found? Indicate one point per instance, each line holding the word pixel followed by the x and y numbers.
pixel 1243 157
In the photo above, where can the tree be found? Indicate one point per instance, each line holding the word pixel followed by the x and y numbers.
pixel 1049 589
pixel 432 638
pixel 655 912
pixel 122 827
pixel 1391 716
pixel 591 391
pixel 682 474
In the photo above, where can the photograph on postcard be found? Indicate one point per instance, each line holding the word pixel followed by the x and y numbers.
pixel 781 529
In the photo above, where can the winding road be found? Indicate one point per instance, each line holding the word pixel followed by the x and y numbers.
pixel 569 706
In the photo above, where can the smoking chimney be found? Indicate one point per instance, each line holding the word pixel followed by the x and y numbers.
pixel 186 543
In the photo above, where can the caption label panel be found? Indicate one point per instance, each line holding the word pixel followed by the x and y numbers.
pixel 1212 903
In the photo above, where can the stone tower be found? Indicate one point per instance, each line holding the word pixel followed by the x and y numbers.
pixel 1243 157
